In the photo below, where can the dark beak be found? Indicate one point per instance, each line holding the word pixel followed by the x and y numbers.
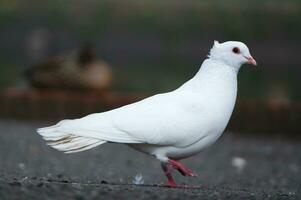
pixel 251 60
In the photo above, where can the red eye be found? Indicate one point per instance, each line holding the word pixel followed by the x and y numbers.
pixel 236 50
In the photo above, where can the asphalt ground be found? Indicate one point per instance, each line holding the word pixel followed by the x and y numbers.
pixel 236 167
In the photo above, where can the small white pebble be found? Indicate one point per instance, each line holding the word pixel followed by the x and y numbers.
pixel 24 179
pixel 21 166
pixel 138 179
pixel 239 163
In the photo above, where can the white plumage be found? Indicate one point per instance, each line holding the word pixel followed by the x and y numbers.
pixel 168 126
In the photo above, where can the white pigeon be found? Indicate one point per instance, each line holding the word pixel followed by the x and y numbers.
pixel 168 126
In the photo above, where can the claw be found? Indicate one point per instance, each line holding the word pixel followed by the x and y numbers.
pixel 168 168
pixel 185 171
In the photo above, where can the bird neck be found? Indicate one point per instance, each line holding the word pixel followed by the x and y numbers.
pixel 215 78
pixel 213 70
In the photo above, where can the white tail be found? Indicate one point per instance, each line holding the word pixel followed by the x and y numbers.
pixel 67 142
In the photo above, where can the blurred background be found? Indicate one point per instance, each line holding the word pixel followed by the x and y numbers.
pixel 65 59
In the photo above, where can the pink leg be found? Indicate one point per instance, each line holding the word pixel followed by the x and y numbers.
pixel 185 171
pixel 167 168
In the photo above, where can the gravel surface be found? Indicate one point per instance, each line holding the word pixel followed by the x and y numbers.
pixel 236 167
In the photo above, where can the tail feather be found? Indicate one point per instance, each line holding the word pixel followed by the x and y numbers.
pixel 67 142
pixel 87 147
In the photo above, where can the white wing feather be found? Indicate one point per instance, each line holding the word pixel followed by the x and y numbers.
pixel 149 121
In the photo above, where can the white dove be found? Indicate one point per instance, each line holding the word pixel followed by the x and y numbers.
pixel 168 126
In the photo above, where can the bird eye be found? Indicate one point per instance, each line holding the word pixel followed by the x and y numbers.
pixel 236 50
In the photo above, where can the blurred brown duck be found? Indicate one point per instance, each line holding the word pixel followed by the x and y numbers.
pixel 79 70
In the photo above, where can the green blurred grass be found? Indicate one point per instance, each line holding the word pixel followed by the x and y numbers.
pixel 9 75
pixel 172 22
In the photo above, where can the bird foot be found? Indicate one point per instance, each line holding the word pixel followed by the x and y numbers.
pixel 185 171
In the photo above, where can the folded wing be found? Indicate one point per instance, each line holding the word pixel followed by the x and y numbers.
pixel 153 120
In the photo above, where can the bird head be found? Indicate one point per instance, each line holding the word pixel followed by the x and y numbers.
pixel 232 53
